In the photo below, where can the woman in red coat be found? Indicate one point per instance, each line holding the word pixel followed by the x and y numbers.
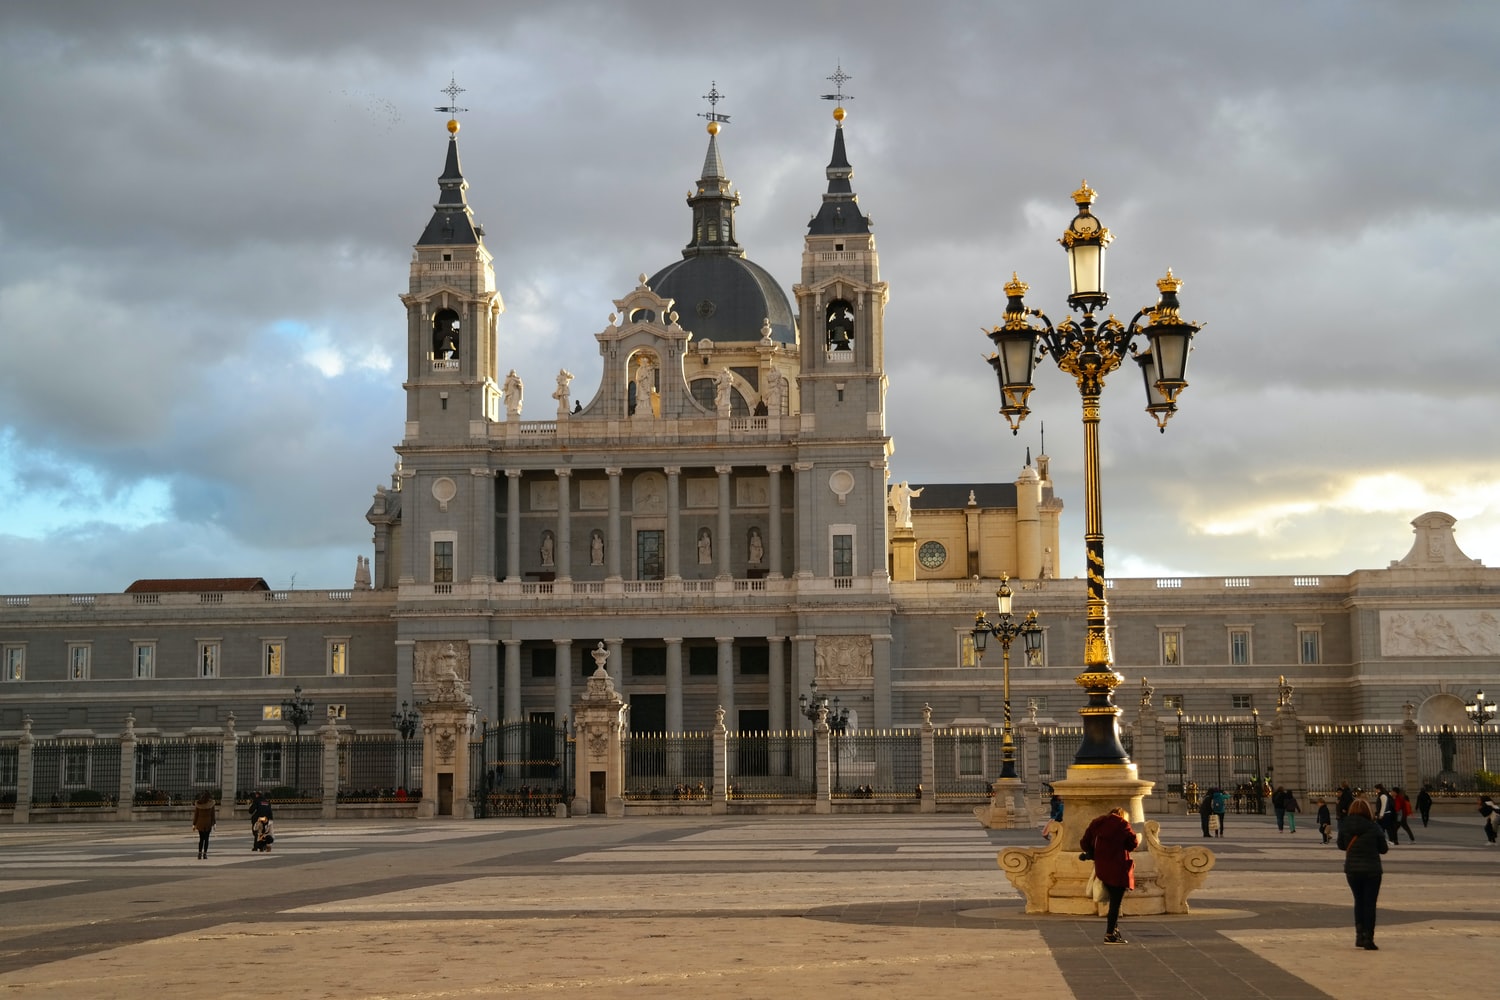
pixel 1109 840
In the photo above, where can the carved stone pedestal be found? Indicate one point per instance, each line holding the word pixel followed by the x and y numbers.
pixel 1007 809
pixel 599 718
pixel 447 722
pixel 1052 878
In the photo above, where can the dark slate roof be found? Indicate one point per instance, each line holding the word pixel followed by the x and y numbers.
pixel 231 584
pixel 839 214
pixel 949 496
pixel 726 299
pixel 452 222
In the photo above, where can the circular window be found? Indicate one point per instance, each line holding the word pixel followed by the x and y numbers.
pixel 932 555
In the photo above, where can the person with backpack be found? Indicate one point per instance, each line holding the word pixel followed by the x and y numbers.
pixel 1403 813
pixel 1278 805
pixel 1221 804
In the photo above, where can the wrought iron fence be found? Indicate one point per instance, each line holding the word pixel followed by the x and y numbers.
pixel 968 761
pixel 1361 755
pixel 772 765
pixel 285 770
pixel 1056 748
pixel 10 761
pixel 173 772
pixel 69 773
pixel 521 768
pixel 668 765
pixel 875 763
pixel 1459 759
pixel 379 767
pixel 1224 752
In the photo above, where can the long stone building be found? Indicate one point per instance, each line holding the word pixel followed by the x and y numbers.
pixel 719 514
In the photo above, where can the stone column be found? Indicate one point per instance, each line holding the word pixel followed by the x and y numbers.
pixel 1411 771
pixel 484 676
pixel 229 774
pixel 929 763
pixel 405 672
pixel 24 773
pixel 482 526
pixel 330 734
pixel 616 662
pixel 719 798
pixel 612 541
pixel 776 682
pixel 126 797
pixel 562 682
pixel 726 678
pixel 563 562
pixel 804 669
pixel 725 545
pixel 674 684
pixel 510 710
pixel 513 525
pixel 803 528
pixel 673 555
pixel 880 654
pixel 773 523
pixel 822 769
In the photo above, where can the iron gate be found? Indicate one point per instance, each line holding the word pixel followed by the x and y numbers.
pixel 521 769
pixel 1218 752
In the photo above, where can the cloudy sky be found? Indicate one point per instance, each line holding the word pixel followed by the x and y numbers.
pixel 207 211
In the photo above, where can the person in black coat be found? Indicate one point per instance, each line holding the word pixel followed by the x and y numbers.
pixel 260 809
pixel 1363 842
pixel 1424 803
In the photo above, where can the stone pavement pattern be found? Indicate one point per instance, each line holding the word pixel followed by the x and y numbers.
pixel 877 906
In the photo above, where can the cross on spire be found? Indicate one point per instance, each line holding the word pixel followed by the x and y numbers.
pixel 713 97
pixel 452 90
pixel 839 78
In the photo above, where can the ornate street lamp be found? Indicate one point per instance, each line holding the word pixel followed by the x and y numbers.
pixel 1007 631
pixel 1480 711
pixel 1089 350
pixel 837 718
pixel 297 710
pixel 405 721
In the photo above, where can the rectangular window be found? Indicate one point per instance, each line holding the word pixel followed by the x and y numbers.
pixel 1308 641
pixel 1239 647
pixel 1171 647
pixel 442 562
pixel 1171 702
pixel 337 713
pixel 270 713
pixel 273 658
pixel 843 555
pixel 78 661
pixel 755 661
pixel 703 661
pixel 1036 704
pixel 208 659
pixel 270 763
pixel 1242 702
pixel 15 663
pixel 648 661
pixel 338 657
pixel 544 662
pixel 76 767
pixel 205 764
pixel 145 660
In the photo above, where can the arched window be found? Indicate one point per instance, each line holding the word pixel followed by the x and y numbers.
pixel 839 324
pixel 445 335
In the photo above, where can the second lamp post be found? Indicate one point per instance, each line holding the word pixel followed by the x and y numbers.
pixel 1006 630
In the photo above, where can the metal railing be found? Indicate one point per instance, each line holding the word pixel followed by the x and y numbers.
pixel 967 761
pixel 75 773
pixel 876 764
pixel 285 770
pixel 771 765
pixel 379 767
pixel 173 772
pixel 668 765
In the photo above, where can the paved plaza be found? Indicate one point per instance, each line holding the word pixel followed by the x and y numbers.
pixel 877 906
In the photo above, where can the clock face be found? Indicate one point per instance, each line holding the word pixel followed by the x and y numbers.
pixel 1086 225
pixel 932 555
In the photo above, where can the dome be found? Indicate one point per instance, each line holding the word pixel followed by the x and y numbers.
pixel 726 299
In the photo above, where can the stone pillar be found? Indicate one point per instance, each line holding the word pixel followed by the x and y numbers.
pixel 447 723
pixel 598 718
pixel 773 523
pixel 903 554
pixel 563 562
pixel 776 682
pixel 674 684
pixel 1149 754
pixel 804 669
pixel 719 799
pixel 229 773
pixel 484 676
pixel 513 525
pixel 822 769
pixel 1289 751
pixel 510 710
pixel 612 529
pixel 24 773
pixel 126 797
pixel 405 672
pixel 673 555
pixel 880 656
pixel 804 530
pixel 1028 736
pixel 929 763
pixel 616 667
pixel 725 546
pixel 726 677
pixel 482 526
pixel 562 682
pixel 1411 771
pixel 330 734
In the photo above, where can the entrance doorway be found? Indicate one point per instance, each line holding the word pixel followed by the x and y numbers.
pixel 596 793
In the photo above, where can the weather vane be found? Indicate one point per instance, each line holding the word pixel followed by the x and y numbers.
pixel 713 97
pixel 839 78
pixel 452 90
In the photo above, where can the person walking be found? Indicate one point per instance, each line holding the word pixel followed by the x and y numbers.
pixel 260 809
pixel 1054 817
pixel 1363 842
pixel 1109 840
pixel 1206 809
pixel 1424 803
pixel 1289 803
pixel 204 818
pixel 1403 814
pixel 1491 814
pixel 1221 803
pixel 1385 812
pixel 1325 821
pixel 1345 799
pixel 1278 804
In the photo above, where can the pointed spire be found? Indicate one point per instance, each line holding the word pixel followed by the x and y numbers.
pixel 452 222
pixel 839 214
pixel 713 201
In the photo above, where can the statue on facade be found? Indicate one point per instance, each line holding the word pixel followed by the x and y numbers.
pixel 645 385
pixel 596 548
pixel 361 573
pixel 547 548
pixel 755 548
pixel 512 392
pixel 705 547
pixel 900 502
pixel 562 392
pixel 772 396
pixel 723 386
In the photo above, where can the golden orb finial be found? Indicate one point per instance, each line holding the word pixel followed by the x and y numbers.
pixel 453 126
pixel 713 128
pixel 1170 283
pixel 838 114
pixel 1015 286
pixel 1084 195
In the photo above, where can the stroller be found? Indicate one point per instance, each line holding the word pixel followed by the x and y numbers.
pixel 263 836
